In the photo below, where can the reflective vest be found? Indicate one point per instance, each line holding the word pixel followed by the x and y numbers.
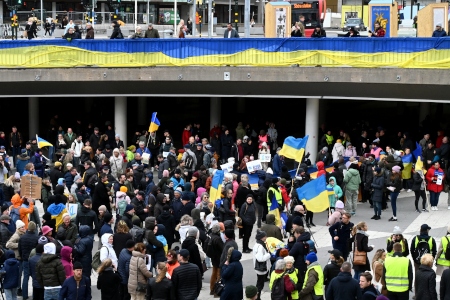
pixel 294 278
pixel 397 273
pixel 329 139
pixel 441 259
pixel 278 197
pixel 318 287
pixel 402 242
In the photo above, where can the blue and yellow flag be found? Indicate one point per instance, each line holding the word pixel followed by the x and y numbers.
pixel 42 143
pixel 216 186
pixel 154 123
pixel 314 195
pixel 294 148
pixel 273 209
pixel 418 151
pixel 407 160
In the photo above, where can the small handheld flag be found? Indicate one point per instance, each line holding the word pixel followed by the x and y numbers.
pixel 154 123
pixel 42 143
pixel 294 148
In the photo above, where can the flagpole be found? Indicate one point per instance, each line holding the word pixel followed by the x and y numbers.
pixel 148 140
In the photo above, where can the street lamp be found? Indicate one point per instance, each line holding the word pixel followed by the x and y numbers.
pixel 236 13
pixel 13 6
pixel 201 7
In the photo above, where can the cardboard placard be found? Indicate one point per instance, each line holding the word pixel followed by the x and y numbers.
pixel 265 157
pixel 253 166
pixel 30 186
pixel 228 167
pixel 145 158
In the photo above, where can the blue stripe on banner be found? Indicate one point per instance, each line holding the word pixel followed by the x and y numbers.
pixel 184 48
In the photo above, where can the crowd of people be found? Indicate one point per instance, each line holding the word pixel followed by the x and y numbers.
pixel 158 237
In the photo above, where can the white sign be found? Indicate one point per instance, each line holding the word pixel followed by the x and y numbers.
pixel 253 166
pixel 265 157
pixel 227 167
pixel 73 208
pixel 145 158
pixel 165 154
pixel 149 264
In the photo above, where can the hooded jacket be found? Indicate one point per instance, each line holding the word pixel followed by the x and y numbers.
pixel 66 261
pixel 107 250
pixel 271 229
pixel 343 287
pixel 86 216
pixel 83 249
pixel 298 251
pixel 320 169
pixel 11 267
pixel 337 192
pixel 50 271
pixel 13 243
pixel 27 243
pixel 168 221
pixel 352 180
pixel 23 211
pixel 232 276
pixel 338 151
pixel 159 205
pixel 378 187
pixel 194 253
pixel 124 265
pixel 138 271
pixel 71 290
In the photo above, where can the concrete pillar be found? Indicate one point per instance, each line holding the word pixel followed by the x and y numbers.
pixel 54 11
pixel 312 127
pixel 102 9
pixel 214 111
pixel 240 105
pixel 120 118
pixel 261 12
pixel 33 116
pixel 424 110
pixel 1 13
pixel 142 111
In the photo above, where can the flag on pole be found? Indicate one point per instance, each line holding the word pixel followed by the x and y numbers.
pixel 273 209
pixel 42 143
pixel 294 148
pixel 314 195
pixel 418 151
pixel 216 186
pixel 154 123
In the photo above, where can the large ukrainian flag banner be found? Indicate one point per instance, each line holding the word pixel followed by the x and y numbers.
pixel 270 52
pixel 407 160
pixel 273 209
pixel 294 148
pixel 216 186
pixel 314 195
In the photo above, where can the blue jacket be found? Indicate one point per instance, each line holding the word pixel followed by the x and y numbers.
pixel 439 33
pixel 177 183
pixel 232 276
pixel 20 165
pixel 343 287
pixel 32 263
pixel 106 228
pixel 70 291
pixel 124 265
pixel 277 163
pixel 11 267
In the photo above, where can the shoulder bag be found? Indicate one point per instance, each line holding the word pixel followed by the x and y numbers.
pixel 140 287
pixel 218 287
pixel 260 266
pixel 359 257
pixel 239 222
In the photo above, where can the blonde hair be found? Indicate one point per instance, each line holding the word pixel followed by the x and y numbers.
pixel 357 227
pixel 427 260
pixel 105 264
pixel 377 255
pixel 163 270
pixel 122 227
pixel 10 180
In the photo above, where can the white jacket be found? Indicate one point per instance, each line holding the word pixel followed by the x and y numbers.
pixel 260 254
pixel 107 250
pixel 116 164
pixel 77 148
pixel 338 150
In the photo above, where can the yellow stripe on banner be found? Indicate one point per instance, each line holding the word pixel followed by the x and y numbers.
pixel 317 204
pixel 62 57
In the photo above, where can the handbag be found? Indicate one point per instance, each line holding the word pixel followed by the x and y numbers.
pixel 218 287
pixel 260 266
pixel 359 257
pixel 141 287
pixel 239 222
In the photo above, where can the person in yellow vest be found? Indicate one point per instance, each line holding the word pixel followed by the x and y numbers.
pixel 397 237
pixel 274 193
pixel 398 275
pixel 293 274
pixel 422 244
pixel 313 283
pixel 441 261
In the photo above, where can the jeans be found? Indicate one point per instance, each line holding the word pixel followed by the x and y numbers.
pixel 260 212
pixel 215 275
pixel 26 276
pixel 422 194
pixel 377 208
pixel 434 198
pixel 394 203
pixel 51 294
pixel 356 275
pixel 352 200
pixel 20 274
pixel 76 163
pixel 11 294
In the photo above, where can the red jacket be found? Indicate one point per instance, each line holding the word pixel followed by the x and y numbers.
pixel 320 169
pixel 185 137
pixel 431 180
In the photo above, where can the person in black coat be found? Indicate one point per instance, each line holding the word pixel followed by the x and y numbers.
pixel 160 287
pixel 361 238
pixel 214 252
pixel 139 206
pixel 444 290
pixel 83 250
pixel 332 269
pixel 340 233
pixel 425 288
pixel 226 141
pixel 232 273
pixel 248 215
pixel 261 201
pixel 187 278
pixel 227 213
pixel 101 194
pixel 352 33
pixel 299 252
pixel 190 244
pixel 108 281
pixel 343 286
pixel 117 33
pixel 168 221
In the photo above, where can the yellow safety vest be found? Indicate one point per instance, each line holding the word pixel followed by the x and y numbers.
pixel 402 242
pixel 318 287
pixel 278 197
pixel 329 139
pixel 441 259
pixel 397 273
pixel 294 278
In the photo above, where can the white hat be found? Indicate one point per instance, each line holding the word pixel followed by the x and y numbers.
pixel 269 170
pixel 50 248
pixel 231 160
pixel 19 224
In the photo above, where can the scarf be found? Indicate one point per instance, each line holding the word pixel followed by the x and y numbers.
pixel 362 232
pixel 262 244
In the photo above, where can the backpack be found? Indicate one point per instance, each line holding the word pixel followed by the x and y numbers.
pixel 96 259
pixel 189 161
pixel 121 206
pixel 14 214
pixel 447 250
pixel 92 180
pixel 205 244
pixel 422 247
pixel 75 251
pixel 312 246
pixel 278 292
pixel 209 247
pixel 138 235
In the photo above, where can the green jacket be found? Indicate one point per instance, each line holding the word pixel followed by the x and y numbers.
pixel 50 271
pixel 352 180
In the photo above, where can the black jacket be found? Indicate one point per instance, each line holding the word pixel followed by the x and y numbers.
pixel 159 290
pixel 169 222
pixel 5 234
pixel 186 281
pixel 343 287
pixel 425 283
pixel 108 282
pixel 444 291
pixel 87 216
pixel 330 271
pixel 139 208
pixel 362 243
pixel 194 254
pixel 248 214
pixel 217 246
pixel 366 295
pixel 228 244
pixel 83 250
pixel 27 242
pixel 50 271
pixel 241 196
pixel 87 175
pixel 55 174
pixel 299 251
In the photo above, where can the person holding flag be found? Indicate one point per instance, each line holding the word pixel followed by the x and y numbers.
pixel 275 200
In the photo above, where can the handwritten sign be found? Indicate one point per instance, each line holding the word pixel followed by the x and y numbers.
pixel 265 157
pixel 227 167
pixel 73 209
pixel 165 154
pixel 253 166
pixel 31 186
pixel 145 158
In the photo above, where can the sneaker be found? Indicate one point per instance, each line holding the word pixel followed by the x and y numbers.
pixel 418 211
pixel 377 218
pixel 394 219
pixel 425 210
pixel 436 208
pixel 374 217
pixel 312 224
pixel 408 191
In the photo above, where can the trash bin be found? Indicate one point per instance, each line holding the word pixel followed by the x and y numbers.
pixel 167 34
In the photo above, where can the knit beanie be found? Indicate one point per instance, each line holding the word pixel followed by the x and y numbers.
pixel 19 224
pixel 123 189
pixel 311 257
pixel 251 291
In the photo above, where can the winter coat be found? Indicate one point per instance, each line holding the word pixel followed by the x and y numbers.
pixel 396 182
pixel 343 232
pixel 66 261
pixel 159 290
pixel 352 180
pixel 378 188
pixel 431 180
pixel 232 275
pixel 337 192
pixel 444 290
pixel 417 181
pixel 271 229
pixel 228 244
pixel 338 151
pixel 217 246
pixel 23 211
pixel 330 271
pixel 307 292
pixel 108 282
pixel 116 164
pixel 83 249
pixel 138 272
pixel 32 262
pixel 27 242
pixel 67 233
pixel 248 214
pixel 107 250
pixel 139 209
pixel 5 234
pixel 425 284
pixel 343 287
pixel 86 216
pixel 362 241
pixel 186 282
pixel 13 243
pixel 71 290
pixel 50 271
pixel 168 221
pixel 12 268
pixel 119 242
pixel 298 251
pixel 124 265
pixel 350 152
pixel 262 255
pixel 367 174
pixel 194 253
